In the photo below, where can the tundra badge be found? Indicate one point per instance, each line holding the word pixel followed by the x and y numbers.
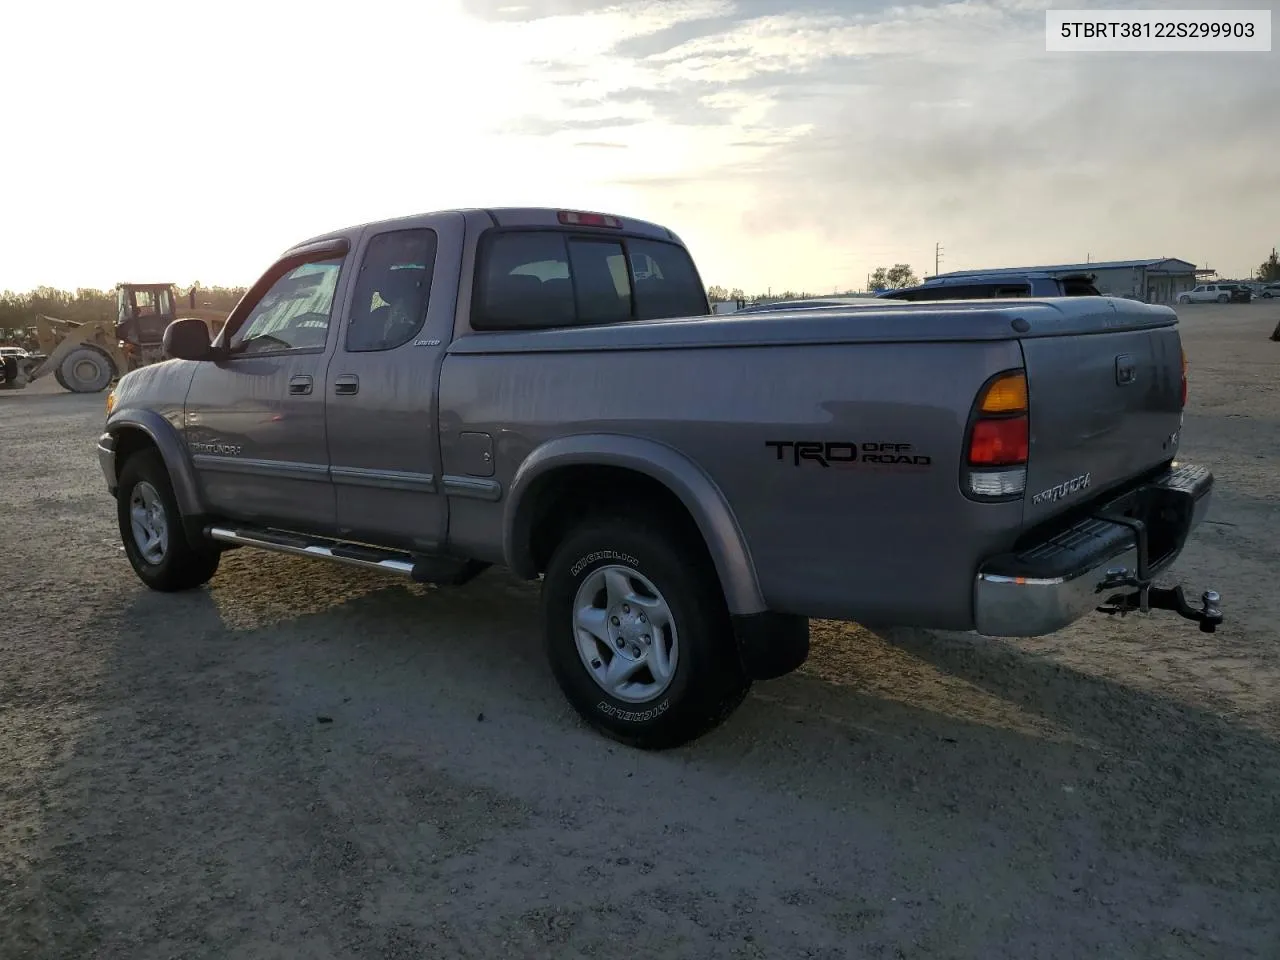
pixel 1064 489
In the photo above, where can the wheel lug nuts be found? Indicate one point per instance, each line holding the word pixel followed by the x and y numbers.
pixel 621 643
pixel 625 608
pixel 595 664
pixel 614 620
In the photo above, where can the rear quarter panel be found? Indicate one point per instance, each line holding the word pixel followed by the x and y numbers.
pixel 881 542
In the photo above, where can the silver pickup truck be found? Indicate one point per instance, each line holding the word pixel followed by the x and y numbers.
pixel 548 391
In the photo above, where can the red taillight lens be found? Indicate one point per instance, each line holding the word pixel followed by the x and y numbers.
pixel 1000 443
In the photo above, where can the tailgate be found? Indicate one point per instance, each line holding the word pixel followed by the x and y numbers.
pixel 1105 396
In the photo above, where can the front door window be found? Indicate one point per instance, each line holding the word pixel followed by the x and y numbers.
pixel 293 314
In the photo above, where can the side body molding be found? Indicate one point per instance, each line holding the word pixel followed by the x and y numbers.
pixel 169 442
pixel 697 491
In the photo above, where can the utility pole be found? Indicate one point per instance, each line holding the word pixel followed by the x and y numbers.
pixel 937 257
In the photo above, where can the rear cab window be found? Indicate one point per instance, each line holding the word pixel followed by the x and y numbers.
pixel 530 279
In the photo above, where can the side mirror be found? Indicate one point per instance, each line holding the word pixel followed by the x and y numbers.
pixel 188 339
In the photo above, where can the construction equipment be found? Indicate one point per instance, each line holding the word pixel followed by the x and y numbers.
pixel 85 357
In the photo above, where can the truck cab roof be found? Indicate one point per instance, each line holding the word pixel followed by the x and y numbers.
pixel 514 217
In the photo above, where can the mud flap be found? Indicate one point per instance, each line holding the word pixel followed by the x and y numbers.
pixel 771 644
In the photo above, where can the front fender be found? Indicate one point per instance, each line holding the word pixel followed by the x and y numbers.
pixel 697 491
pixel 173 451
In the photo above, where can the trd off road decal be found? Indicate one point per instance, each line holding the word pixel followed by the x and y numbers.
pixel 843 453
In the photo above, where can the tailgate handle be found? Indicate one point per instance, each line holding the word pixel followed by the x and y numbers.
pixel 1126 369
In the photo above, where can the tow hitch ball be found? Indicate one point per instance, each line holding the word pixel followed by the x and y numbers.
pixel 1146 598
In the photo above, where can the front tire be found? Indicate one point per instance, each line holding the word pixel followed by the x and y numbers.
pixel 86 370
pixel 1223 298
pixel 152 532
pixel 638 634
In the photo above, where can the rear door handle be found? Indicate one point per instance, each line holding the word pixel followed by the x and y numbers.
pixel 346 385
pixel 299 386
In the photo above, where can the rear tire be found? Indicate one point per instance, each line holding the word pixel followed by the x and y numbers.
pixel 152 532
pixel 86 370
pixel 1223 298
pixel 685 675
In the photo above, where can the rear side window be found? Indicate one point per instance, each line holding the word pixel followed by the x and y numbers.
pixel 392 290
pixel 542 279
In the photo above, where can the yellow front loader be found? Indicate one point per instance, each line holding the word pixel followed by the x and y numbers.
pixel 83 357
pixel 87 357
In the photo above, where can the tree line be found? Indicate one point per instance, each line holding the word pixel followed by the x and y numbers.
pixel 882 278
pixel 18 311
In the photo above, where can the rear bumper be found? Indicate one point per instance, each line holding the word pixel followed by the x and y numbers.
pixel 107 460
pixel 1043 587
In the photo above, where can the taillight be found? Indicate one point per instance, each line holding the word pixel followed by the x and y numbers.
pixel 1184 378
pixel 998 442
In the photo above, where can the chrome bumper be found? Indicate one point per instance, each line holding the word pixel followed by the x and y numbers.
pixel 107 460
pixel 1044 587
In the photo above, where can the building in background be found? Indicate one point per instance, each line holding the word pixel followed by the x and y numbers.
pixel 1158 280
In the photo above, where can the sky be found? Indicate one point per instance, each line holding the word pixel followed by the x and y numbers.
pixel 793 145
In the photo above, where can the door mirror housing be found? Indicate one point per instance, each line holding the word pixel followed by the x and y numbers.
pixel 188 339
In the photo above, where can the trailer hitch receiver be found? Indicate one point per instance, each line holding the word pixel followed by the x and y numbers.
pixel 1144 598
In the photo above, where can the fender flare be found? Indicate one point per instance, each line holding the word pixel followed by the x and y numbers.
pixel 173 451
pixel 694 488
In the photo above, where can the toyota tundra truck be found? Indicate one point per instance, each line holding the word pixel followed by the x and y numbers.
pixel 548 391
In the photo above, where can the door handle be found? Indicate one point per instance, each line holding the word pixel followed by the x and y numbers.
pixel 299 386
pixel 1126 369
pixel 346 385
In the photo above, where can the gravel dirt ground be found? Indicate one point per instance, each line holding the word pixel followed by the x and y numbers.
pixel 306 762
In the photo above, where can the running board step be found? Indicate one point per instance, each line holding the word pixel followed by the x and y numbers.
pixel 443 571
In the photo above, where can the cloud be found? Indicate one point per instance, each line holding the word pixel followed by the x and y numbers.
pixel 518 12
pixel 875 126
pixel 535 126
